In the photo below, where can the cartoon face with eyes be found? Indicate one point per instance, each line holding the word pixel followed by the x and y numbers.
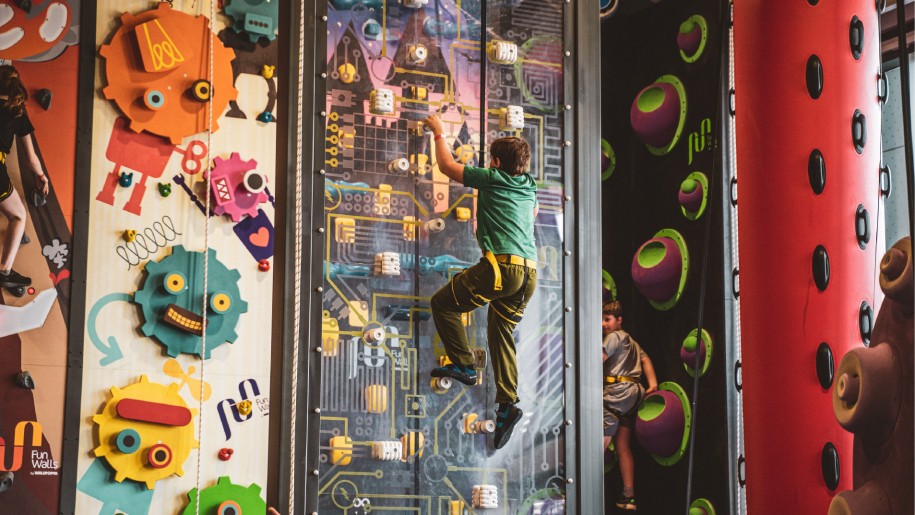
pixel 171 300
pixel 156 66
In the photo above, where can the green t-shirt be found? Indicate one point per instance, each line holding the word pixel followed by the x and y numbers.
pixel 505 210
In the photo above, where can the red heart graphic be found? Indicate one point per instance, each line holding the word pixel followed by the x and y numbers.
pixel 261 238
pixel 56 278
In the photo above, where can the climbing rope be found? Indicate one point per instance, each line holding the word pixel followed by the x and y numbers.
pixel 206 249
pixel 297 266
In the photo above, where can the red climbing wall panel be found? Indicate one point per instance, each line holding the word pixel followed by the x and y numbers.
pixel 785 316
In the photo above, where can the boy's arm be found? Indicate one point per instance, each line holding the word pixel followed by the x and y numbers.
pixel 648 368
pixel 446 163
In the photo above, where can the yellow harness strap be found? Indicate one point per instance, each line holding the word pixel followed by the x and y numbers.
pixel 620 379
pixel 497 282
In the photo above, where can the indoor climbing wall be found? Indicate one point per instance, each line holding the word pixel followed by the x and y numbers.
pixel 397 230
pixel 662 228
pixel 179 290
pixel 34 321
pixel 809 269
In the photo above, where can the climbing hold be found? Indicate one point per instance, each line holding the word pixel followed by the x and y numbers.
pixel 129 235
pixel 265 117
pixel 225 454
pixel 43 96
pixel 658 113
pixel 263 265
pixel 244 407
pixel 692 37
pixel 268 71
pixel 24 380
pixel 165 188
pixel 125 179
pixel 663 423
pixel 659 268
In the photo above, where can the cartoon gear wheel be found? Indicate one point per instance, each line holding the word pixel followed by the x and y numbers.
pixel 224 494
pixel 172 295
pixel 146 432
pixel 256 18
pixel 232 193
pixel 156 67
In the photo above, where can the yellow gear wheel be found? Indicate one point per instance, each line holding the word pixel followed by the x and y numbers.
pixel 146 432
pixel 156 67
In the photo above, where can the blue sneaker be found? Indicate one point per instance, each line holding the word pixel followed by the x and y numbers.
pixel 506 417
pixel 466 375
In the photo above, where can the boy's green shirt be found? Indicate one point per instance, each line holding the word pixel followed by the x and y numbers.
pixel 505 211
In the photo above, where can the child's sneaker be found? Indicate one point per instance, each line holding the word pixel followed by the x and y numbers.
pixel 626 502
pixel 14 280
pixel 466 375
pixel 506 417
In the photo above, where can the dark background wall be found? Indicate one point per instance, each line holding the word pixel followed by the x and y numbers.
pixel 639 199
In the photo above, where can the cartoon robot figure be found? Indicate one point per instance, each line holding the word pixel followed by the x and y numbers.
pixel 146 432
pixel 238 188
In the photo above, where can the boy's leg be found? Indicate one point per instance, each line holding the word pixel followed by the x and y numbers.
pixel 627 464
pixel 504 315
pixel 465 292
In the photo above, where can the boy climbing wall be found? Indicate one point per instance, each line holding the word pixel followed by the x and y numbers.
pixel 505 277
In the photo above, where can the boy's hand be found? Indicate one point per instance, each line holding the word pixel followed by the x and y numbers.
pixel 434 124
pixel 651 388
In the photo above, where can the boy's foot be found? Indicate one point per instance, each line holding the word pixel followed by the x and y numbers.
pixel 13 279
pixel 466 375
pixel 506 417
pixel 626 502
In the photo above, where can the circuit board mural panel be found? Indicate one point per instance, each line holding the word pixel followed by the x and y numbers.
pixel 396 230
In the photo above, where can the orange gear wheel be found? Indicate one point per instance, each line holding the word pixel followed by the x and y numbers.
pixel 152 65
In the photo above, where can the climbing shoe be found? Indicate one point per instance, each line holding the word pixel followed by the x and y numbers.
pixel 506 417
pixel 466 375
pixel 14 280
pixel 626 502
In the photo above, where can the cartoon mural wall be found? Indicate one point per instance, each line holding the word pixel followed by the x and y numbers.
pixel 40 40
pixel 397 230
pixel 176 372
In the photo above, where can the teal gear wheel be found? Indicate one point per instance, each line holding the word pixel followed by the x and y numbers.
pixel 172 295
pixel 257 18
pixel 223 493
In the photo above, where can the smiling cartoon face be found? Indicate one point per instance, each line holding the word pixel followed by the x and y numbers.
pixel 171 299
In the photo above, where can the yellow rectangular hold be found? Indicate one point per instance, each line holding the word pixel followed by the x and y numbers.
pixel 457 508
pixel 345 230
pixel 462 214
pixel 419 92
pixel 383 200
pixel 358 313
pixel 376 398
pixel 341 450
pixel 409 229
pixel 329 335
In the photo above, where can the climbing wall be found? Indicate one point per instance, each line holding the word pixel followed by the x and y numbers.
pixel 186 106
pixel 662 226
pixel 397 230
pixel 34 322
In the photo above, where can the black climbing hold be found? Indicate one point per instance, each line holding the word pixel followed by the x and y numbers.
pixel 830 465
pixel 6 481
pixel 858 131
pixel 24 380
pixel 816 171
pixel 886 181
pixel 44 98
pixel 862 226
pixel 738 376
pixel 883 89
pixel 821 268
pixel 814 76
pixel 865 322
pixel 826 365
pixel 856 37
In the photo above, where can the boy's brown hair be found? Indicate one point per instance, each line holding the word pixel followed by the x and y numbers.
pixel 614 308
pixel 513 153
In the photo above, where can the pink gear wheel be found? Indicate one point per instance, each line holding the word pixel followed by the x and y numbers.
pixel 156 67
pixel 237 188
